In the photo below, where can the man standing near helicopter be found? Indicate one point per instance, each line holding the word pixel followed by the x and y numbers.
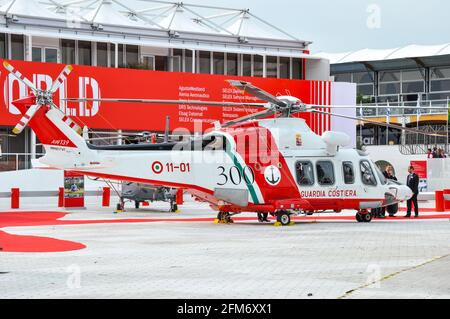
pixel 413 183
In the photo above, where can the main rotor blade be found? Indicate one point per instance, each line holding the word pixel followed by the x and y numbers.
pixel 249 117
pixel 412 107
pixel 25 119
pixel 256 91
pixel 398 127
pixel 150 101
pixel 20 76
pixel 61 78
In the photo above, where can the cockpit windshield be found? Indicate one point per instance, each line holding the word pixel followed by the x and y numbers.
pixel 382 178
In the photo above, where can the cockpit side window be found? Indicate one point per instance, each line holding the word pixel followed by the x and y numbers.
pixel 349 173
pixel 305 173
pixel 367 175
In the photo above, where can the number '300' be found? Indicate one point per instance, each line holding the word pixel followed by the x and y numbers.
pixel 236 175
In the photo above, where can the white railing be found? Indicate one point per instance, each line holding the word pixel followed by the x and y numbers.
pixel 425 108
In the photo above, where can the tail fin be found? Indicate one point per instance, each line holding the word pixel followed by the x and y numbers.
pixel 56 130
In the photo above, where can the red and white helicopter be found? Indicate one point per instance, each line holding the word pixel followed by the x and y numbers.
pixel 274 165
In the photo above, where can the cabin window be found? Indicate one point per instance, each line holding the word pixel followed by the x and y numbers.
pixel 367 176
pixel 349 173
pixel 305 173
pixel 325 173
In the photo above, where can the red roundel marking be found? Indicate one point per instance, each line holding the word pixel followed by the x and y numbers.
pixel 157 167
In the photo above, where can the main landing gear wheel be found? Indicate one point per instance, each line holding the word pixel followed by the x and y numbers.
pixel 364 217
pixel 284 218
pixel 224 218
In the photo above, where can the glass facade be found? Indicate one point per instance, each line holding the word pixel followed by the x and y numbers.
pixel 272 67
pixel 219 63
pixel 285 68
pixel 2 46
pixel 297 69
pixel 204 62
pixel 17 47
pixel 258 65
pixel 102 54
pixel 68 51
pixel 246 65
pixel 84 53
pixel 232 64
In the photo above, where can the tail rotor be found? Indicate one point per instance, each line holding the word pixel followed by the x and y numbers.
pixel 40 98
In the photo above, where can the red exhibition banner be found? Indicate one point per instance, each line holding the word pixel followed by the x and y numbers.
pixel 420 168
pixel 98 82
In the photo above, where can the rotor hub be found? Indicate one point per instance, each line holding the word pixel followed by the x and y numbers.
pixel 44 97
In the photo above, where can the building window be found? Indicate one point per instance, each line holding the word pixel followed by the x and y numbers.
pixel 413 81
pixel 68 51
pixel 2 46
pixel 49 55
pixel 232 64
pixel 389 88
pixel 161 63
pixel 297 69
pixel 36 55
pixel 363 78
pixel 148 62
pixel 305 173
pixel 440 80
pixel 272 67
pixel 17 47
pixel 132 55
pixel 246 65
pixel 389 76
pixel 219 63
pixel 349 173
pixel 177 60
pixel 285 67
pixel 258 65
pixel 84 53
pixel 204 62
pixel 188 61
pixel 344 77
pixel 102 54
pixel 365 90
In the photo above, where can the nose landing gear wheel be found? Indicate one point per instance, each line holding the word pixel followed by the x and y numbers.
pixel 284 219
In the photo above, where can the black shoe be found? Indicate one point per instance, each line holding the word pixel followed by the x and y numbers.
pixel 417 216
pixel 407 216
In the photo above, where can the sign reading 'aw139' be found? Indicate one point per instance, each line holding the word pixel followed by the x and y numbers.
pixel 96 82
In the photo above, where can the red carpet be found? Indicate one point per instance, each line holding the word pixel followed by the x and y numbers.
pixel 18 243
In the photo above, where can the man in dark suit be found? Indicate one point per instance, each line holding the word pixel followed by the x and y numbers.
pixel 413 183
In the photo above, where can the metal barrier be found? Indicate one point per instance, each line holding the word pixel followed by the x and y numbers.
pixel 15 194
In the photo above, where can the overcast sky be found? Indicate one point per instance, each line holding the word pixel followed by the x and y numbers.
pixel 344 25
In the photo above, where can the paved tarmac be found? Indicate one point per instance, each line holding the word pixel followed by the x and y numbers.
pixel 181 257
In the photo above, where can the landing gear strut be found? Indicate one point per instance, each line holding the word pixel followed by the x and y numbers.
pixel 364 217
pixel 224 218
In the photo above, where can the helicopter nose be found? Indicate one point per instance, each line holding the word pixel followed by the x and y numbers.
pixel 403 193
